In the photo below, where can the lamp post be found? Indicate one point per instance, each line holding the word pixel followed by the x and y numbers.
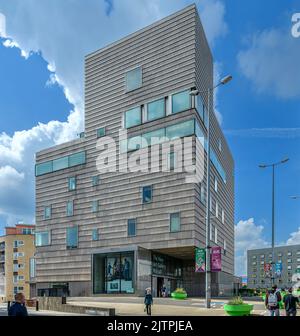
pixel 209 92
pixel 273 165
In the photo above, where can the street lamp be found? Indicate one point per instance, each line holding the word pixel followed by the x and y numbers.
pixel 273 165
pixel 209 92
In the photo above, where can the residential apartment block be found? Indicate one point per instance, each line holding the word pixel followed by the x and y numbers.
pixel 121 232
pixel 17 261
pixel 289 258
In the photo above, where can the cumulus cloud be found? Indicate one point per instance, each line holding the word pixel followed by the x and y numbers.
pixel 271 63
pixel 294 238
pixel 248 235
pixel 63 33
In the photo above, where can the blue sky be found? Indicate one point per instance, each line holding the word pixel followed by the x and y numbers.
pixel 41 87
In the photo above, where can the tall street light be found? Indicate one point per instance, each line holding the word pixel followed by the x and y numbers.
pixel 273 165
pixel 209 93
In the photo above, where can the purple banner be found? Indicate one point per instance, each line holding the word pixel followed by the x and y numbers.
pixel 215 259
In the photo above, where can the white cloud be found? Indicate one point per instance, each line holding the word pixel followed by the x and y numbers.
pixel 271 63
pixel 63 33
pixel 248 235
pixel 294 238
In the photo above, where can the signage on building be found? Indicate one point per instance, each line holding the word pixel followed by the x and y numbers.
pixel 278 269
pixel 267 270
pixel 200 256
pixel 215 259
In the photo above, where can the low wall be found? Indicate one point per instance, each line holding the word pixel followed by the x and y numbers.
pixel 57 304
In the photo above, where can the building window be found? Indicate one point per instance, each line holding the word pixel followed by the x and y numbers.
pixel 279 255
pixel 95 180
pixel 289 267
pixel 133 79
pixel 216 184
pixel 220 145
pixel 298 252
pixel 18 243
pixel 224 245
pixel 32 267
pixel 72 237
pixel 200 106
pixel 216 235
pixel 81 135
pixel 289 260
pixel 210 204
pixel 181 101
pixel 95 206
pixel 131 227
pixel 47 212
pixel 147 194
pixel 254 257
pixel 202 194
pixel 254 263
pixel 101 132
pixel 60 163
pixel 156 109
pixel 95 234
pixel 175 222
pixel 217 209
pixel 133 117
pixel 289 253
pixel 180 130
pixel 76 159
pixel 262 256
pixel 70 208
pixel 223 216
pixel 72 183
pixel 42 238
pixel 171 161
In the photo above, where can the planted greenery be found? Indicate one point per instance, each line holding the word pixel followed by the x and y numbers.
pixel 179 291
pixel 236 301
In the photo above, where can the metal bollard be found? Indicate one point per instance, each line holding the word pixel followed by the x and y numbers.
pixel 37 305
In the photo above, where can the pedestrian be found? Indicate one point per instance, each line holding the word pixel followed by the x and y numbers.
pixel 148 301
pixel 18 308
pixel 290 303
pixel 273 298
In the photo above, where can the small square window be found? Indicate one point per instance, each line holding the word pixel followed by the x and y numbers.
pixel 101 132
pixel 175 222
pixel 131 227
pixel 147 194
pixel 133 117
pixel 47 212
pixel 133 79
pixel 181 101
pixel 72 183
pixel 95 234
pixel 156 109
pixel 95 180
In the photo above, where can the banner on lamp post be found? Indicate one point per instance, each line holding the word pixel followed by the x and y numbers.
pixel 216 259
pixel 200 260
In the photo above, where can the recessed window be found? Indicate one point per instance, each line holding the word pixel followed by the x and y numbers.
pixel 171 161
pixel 223 216
pixel 60 163
pixel 72 183
pixel 175 222
pixel 216 184
pixel 72 237
pixel 95 180
pixel 156 109
pixel 70 208
pixel 42 238
pixel 100 132
pixel 217 209
pixel 95 234
pixel 47 212
pixel 180 130
pixel 133 79
pixel 95 206
pixel 216 235
pixel 147 194
pixel 133 117
pixel 200 106
pixel 76 159
pixel 181 101
pixel 131 227
pixel 202 194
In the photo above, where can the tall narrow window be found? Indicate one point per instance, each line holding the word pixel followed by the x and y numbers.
pixel 216 183
pixel 70 208
pixel 202 194
pixel 172 161
pixel 156 109
pixel 147 194
pixel 47 212
pixel 216 235
pixel 133 79
pixel 131 227
pixel 72 237
pixel 72 183
pixel 95 206
pixel 223 216
pixel 217 209
pixel 95 234
pixel 95 180
pixel 175 222
pixel 133 117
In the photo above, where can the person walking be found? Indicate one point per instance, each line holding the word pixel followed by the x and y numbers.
pixel 18 308
pixel 273 298
pixel 148 301
pixel 290 303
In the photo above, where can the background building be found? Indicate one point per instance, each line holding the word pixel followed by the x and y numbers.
pixel 288 256
pixel 16 261
pixel 122 232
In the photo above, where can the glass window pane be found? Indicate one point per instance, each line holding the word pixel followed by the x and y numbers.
pixel 60 163
pixel 134 143
pixel 155 137
pixel 133 117
pixel 47 212
pixel 76 159
pixel 95 180
pixel 95 235
pixel 42 238
pixel 95 206
pixel 100 132
pixel 147 194
pixel 175 222
pixel 70 208
pixel 72 237
pixel 181 101
pixel 133 79
pixel 72 183
pixel 172 161
pixel 200 106
pixel 43 168
pixel 131 227
pixel 183 129
pixel 156 109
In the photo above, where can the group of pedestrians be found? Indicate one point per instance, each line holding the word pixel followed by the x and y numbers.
pixel 273 298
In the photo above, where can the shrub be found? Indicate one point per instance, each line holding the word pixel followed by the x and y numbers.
pixel 235 301
pixel 180 291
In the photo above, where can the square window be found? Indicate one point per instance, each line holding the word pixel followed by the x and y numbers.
pixel 133 79
pixel 42 238
pixel 133 117
pixel 95 234
pixel 95 206
pixel 47 212
pixel 70 208
pixel 156 109
pixel 147 194
pixel 181 101
pixel 175 222
pixel 101 132
pixel 72 183
pixel 131 227
pixel 95 180
pixel 72 237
